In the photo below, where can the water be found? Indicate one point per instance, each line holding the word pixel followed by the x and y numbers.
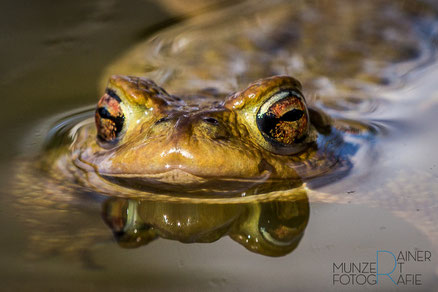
pixel 386 201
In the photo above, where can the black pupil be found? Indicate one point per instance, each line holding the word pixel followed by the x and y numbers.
pixel 104 113
pixel 268 121
pixel 291 116
pixel 117 120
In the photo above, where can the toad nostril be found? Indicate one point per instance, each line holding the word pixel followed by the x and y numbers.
pixel 211 121
pixel 162 120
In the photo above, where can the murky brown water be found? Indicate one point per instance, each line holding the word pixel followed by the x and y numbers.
pixel 52 62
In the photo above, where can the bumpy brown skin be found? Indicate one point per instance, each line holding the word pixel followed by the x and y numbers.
pixel 170 141
pixel 258 90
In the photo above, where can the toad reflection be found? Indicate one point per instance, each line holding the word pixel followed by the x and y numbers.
pixel 271 228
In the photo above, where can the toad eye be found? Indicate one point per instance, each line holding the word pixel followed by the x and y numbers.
pixel 109 117
pixel 283 121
